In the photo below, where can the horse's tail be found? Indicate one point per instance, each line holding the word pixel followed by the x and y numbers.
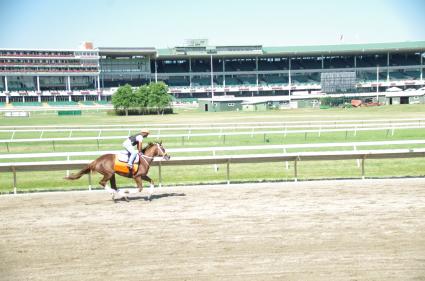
pixel 78 175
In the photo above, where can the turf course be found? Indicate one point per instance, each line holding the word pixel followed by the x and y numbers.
pixel 239 172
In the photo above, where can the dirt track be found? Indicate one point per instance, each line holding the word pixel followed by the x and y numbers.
pixel 328 230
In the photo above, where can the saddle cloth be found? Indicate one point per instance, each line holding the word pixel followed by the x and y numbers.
pixel 120 164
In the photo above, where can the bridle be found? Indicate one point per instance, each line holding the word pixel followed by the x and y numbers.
pixel 163 154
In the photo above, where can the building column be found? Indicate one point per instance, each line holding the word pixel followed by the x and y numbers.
pixel 422 66
pixel 5 84
pixel 224 74
pixel 190 73
pixel 38 83
pixel 69 98
pixel 69 84
pixel 7 98
pixel 256 72
pixel 156 72
pixel 98 83
pixel 39 98
pixel 23 98
pixel 388 66
pixel 289 78
pixel 212 78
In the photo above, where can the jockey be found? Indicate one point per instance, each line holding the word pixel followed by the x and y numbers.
pixel 133 140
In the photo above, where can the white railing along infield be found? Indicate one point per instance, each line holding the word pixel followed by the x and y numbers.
pixel 214 160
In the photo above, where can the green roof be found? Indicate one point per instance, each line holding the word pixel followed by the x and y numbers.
pixel 314 49
pixel 347 48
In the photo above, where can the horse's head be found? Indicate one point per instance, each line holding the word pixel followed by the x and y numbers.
pixel 156 149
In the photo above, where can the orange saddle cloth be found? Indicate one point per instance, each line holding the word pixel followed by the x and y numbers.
pixel 122 167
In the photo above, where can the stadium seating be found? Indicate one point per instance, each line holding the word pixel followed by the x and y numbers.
pixel 27 104
pixel 178 81
pixel 275 79
pixel 306 64
pixel 232 81
pixel 201 66
pixel 173 67
pixel 238 65
pixel 62 103
pixel 248 80
pixel 201 81
pixel 103 102
pixel 273 64
pixel 414 75
pixel 87 103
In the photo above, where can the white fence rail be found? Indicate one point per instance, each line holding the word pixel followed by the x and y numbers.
pixel 213 150
pixel 215 125
pixel 389 129
pixel 214 160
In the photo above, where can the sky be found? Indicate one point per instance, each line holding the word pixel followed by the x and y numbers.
pixel 56 24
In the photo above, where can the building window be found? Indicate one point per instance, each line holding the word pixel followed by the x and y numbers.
pixel 230 104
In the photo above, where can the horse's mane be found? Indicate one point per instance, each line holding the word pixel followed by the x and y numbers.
pixel 149 145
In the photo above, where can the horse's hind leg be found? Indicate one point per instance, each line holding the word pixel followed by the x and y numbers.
pixel 109 176
pixel 113 182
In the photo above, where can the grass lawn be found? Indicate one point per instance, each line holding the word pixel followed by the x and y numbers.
pixel 239 172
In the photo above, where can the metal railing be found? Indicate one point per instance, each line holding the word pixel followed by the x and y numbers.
pixel 235 159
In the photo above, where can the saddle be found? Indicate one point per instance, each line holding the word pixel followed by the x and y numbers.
pixel 120 164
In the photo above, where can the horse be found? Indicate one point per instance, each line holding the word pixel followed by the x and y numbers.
pixel 107 166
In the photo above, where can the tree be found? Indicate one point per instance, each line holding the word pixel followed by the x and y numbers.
pixel 123 98
pixel 158 96
pixel 141 97
pixel 144 99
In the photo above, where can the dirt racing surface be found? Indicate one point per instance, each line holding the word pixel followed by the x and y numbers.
pixel 322 230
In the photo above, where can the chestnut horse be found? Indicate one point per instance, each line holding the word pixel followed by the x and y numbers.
pixel 105 166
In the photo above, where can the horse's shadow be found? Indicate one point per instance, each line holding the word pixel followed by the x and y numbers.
pixel 152 197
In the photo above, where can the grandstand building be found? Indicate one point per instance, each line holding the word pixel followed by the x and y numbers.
pixel 197 70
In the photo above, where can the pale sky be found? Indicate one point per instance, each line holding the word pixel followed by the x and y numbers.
pixel 165 23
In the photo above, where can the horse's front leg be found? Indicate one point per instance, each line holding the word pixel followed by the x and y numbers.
pixel 152 185
pixel 139 183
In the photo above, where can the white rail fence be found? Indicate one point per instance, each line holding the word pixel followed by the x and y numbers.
pixel 214 150
pixel 215 160
pixel 419 121
pixel 390 130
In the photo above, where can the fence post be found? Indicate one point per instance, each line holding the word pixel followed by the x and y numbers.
pixel 160 174
pixel 286 162
pixel 90 183
pixel 228 171
pixel 358 160
pixel 363 159
pixel 67 171
pixel 296 169
pixel 14 180
pixel 215 165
